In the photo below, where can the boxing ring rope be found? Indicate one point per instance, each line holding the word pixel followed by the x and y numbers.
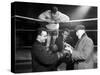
pixel 47 30
pixel 70 21
pixel 81 20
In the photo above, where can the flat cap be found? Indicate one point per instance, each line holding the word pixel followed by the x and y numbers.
pixel 79 27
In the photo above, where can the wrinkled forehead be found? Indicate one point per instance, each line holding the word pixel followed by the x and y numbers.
pixel 44 33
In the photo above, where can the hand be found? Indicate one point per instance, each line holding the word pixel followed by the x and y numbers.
pixel 67 45
pixel 68 49
pixel 65 51
pixel 66 54
pixel 53 21
pixel 53 48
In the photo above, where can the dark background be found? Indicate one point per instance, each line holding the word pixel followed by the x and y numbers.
pixel 24 29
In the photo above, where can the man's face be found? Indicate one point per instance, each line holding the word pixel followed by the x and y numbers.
pixel 43 36
pixel 79 33
pixel 65 34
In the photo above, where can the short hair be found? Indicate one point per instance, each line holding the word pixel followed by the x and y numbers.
pixel 39 31
pixel 79 27
pixel 66 29
pixel 54 9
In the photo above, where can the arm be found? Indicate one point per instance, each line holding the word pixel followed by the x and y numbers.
pixel 63 17
pixel 45 16
pixel 44 56
pixel 85 52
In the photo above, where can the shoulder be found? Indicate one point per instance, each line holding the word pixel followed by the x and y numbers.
pixel 36 45
pixel 60 13
pixel 47 11
pixel 88 39
pixel 63 15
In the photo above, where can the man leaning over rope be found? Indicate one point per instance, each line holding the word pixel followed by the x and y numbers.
pixel 53 17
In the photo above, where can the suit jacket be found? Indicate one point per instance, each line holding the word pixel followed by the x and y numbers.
pixel 65 63
pixel 83 53
pixel 43 60
pixel 60 42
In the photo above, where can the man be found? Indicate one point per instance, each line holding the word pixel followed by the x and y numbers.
pixel 82 54
pixel 53 17
pixel 42 58
pixel 62 42
pixel 62 39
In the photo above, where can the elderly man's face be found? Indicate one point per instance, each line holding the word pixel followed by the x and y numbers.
pixel 43 36
pixel 79 33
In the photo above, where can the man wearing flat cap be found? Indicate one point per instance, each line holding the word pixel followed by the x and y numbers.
pixel 82 54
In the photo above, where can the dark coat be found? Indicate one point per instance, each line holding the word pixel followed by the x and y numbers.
pixel 43 60
pixel 65 63
pixel 83 53
pixel 60 42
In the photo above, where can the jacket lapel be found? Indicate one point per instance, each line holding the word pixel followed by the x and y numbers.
pixel 80 41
